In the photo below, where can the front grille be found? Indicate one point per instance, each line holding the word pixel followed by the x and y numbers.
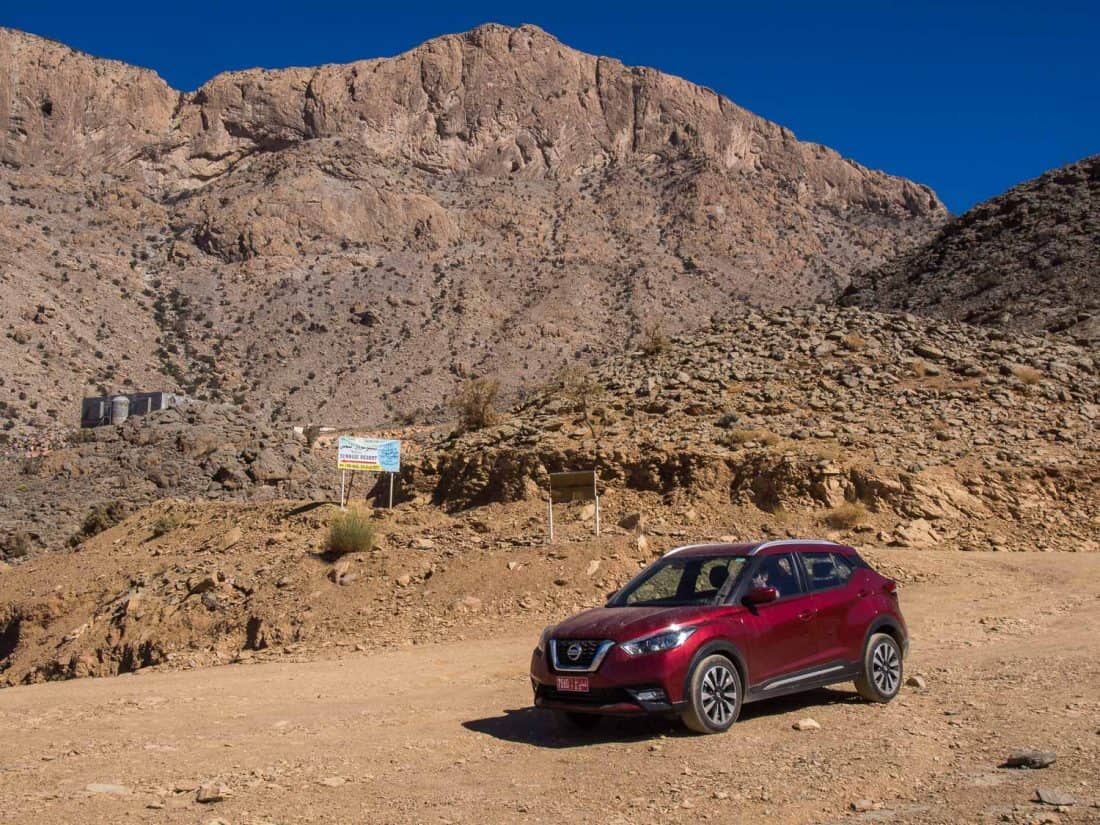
pixel 589 649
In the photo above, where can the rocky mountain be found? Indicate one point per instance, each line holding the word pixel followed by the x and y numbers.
pixel 1027 260
pixel 343 244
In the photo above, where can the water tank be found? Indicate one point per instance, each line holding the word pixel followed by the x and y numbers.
pixel 120 409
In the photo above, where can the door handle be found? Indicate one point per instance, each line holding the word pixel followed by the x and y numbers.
pixel 806 615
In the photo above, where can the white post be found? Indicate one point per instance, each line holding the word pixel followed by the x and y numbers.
pixel 597 516
pixel 391 491
pixel 550 505
pixel 342 474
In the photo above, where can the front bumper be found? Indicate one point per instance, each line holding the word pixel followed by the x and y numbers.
pixel 621 686
pixel 617 702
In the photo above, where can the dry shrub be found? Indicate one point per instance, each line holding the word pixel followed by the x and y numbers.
pixel 846 516
pixel 654 338
pixel 350 532
pixel 854 342
pixel 15 545
pixel 1028 375
pixel 476 403
pixel 100 518
pixel 164 525
pixel 780 514
pixel 740 436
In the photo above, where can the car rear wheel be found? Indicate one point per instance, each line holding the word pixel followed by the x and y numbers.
pixel 570 722
pixel 882 669
pixel 714 696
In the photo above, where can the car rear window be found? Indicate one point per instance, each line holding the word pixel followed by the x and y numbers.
pixel 825 570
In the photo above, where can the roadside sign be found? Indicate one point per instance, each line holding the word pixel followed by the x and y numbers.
pixel 376 455
pixel 576 485
pixel 372 455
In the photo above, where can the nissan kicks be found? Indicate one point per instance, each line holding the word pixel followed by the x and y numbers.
pixel 708 627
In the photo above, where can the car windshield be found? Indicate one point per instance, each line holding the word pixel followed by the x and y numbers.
pixel 675 581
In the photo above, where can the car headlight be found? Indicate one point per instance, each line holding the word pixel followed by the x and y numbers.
pixel 658 642
pixel 543 639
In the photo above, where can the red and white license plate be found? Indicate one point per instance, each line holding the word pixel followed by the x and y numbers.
pixel 573 684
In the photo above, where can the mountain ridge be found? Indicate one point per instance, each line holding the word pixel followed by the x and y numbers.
pixel 1027 259
pixel 347 243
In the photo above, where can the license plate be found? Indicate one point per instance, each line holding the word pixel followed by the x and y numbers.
pixel 573 684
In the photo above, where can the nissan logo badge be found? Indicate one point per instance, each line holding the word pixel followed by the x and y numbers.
pixel 574 651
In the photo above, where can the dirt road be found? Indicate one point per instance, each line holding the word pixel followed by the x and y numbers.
pixel 1009 645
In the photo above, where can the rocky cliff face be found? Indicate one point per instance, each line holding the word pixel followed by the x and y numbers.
pixel 345 243
pixel 1028 260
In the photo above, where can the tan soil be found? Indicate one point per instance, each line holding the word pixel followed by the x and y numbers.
pixel 444 732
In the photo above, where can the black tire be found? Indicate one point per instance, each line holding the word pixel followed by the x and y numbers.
pixel 883 669
pixel 714 696
pixel 570 722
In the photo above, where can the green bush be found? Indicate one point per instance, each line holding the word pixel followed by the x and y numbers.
pixel 350 532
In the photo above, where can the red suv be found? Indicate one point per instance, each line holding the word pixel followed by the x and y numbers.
pixel 710 626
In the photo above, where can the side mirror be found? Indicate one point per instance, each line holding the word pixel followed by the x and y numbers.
pixel 761 595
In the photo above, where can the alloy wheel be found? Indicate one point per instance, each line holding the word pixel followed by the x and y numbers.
pixel 719 694
pixel 885 668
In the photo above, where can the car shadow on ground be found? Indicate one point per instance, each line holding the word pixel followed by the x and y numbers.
pixel 531 726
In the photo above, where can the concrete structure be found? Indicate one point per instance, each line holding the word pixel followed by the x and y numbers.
pixel 108 409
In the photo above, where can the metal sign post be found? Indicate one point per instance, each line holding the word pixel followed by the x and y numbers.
pixel 579 485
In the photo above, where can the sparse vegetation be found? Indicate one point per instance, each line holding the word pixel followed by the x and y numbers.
pixel 164 525
pixel 1027 375
pixel 742 436
pixel 581 388
pixel 854 342
pixel 654 338
pixel 101 517
pixel 15 545
pixel 846 516
pixel 476 403
pixel 350 532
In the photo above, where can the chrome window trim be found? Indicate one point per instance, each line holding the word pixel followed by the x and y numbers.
pixel 597 660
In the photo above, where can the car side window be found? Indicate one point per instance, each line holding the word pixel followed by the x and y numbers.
pixel 778 572
pixel 844 568
pixel 825 570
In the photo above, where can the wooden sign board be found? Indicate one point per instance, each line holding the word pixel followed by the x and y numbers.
pixel 573 486
pixel 578 485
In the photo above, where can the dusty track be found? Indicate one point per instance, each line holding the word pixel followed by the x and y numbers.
pixel 444 733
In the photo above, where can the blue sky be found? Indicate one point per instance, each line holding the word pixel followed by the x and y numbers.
pixel 968 97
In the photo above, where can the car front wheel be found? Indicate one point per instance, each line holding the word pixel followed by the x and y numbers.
pixel 882 669
pixel 714 696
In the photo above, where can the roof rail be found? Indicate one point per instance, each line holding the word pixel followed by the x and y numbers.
pixel 781 542
pixel 688 547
